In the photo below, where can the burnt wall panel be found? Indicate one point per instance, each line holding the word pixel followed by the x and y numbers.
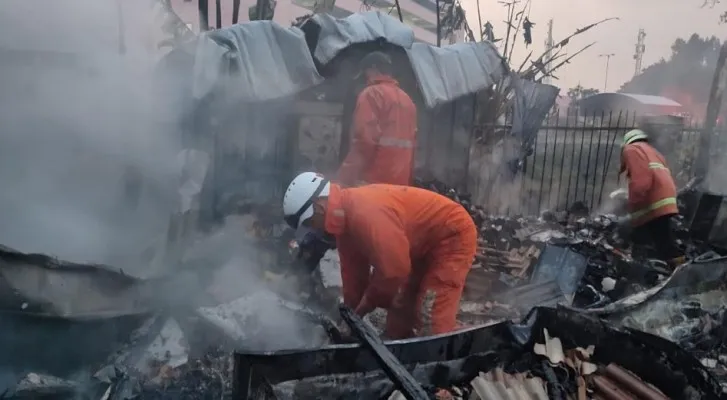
pixel 318 137
pixel 460 142
pixel 438 144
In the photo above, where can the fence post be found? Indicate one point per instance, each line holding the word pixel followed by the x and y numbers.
pixel 713 108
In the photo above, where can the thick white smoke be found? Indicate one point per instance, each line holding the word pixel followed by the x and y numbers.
pixel 78 115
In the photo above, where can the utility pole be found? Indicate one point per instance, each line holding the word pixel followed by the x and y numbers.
pixel 608 60
pixel 549 50
pixel 640 49
pixel 714 105
pixel 439 25
pixel 479 20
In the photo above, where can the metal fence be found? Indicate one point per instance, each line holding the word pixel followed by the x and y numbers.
pixel 576 159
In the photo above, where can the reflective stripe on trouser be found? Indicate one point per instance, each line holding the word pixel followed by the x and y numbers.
pixel 656 165
pixel 653 206
pixel 394 142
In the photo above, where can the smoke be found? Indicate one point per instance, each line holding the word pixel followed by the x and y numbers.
pixel 88 157
pixel 80 122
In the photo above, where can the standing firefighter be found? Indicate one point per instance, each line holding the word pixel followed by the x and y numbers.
pixel 383 129
pixel 651 195
pixel 421 246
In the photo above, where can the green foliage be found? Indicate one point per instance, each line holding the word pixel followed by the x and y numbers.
pixel 688 71
pixel 579 93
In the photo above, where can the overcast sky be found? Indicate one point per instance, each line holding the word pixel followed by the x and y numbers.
pixel 663 20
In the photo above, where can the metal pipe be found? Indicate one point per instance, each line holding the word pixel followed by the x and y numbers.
pixel 204 22
pixel 439 25
pixel 218 11
pixel 235 11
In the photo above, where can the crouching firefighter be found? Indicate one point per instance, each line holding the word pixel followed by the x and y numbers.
pixel 651 195
pixel 420 244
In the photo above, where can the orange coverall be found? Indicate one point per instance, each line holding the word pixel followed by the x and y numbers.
pixel 421 246
pixel 652 192
pixel 383 136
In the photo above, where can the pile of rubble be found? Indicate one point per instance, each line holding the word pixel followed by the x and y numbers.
pixel 511 248
pixel 551 354
pixel 582 382
pixel 210 374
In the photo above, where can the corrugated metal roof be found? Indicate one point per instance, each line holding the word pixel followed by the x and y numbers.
pixel 447 73
pixel 643 99
pixel 650 100
pixel 337 34
pixel 264 61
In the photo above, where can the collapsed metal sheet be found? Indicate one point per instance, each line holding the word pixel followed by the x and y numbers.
pixel 36 283
pixel 689 310
pixel 260 60
pixel 450 72
pixel 337 34
pixel 532 103
pixel 689 279
pixel 562 265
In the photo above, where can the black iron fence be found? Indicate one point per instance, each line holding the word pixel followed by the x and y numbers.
pixel 576 159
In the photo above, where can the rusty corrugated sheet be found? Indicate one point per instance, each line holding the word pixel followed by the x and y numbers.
pixel 616 383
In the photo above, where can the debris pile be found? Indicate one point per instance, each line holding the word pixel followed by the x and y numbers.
pixel 510 249
pixel 210 374
pixel 550 354
pixel 696 322
pixel 553 373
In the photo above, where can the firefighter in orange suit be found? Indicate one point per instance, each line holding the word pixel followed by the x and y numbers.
pixel 383 131
pixel 651 195
pixel 404 249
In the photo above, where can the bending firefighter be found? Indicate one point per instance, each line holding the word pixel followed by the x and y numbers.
pixel 421 246
pixel 651 195
pixel 383 129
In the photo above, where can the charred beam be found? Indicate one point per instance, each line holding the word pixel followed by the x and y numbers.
pixel 402 379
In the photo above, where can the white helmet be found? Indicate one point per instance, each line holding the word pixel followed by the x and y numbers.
pixel 299 198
